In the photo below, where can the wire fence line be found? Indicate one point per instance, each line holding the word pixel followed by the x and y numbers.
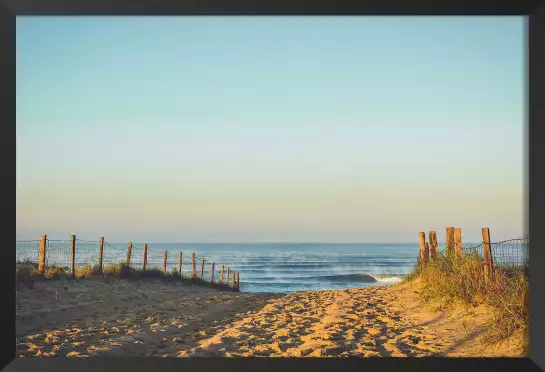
pixel 512 252
pixel 507 253
pixel 81 253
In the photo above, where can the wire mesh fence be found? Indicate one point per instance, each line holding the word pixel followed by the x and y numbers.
pixel 87 253
pixel 112 255
pixel 27 251
pixel 507 253
pixel 513 252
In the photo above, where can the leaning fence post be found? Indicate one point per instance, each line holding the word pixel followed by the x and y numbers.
pixel 180 256
pixel 422 237
pixel 100 252
pixel 41 262
pixel 73 254
pixel 488 263
pixel 434 253
pixel 212 276
pixel 458 247
pixel 450 241
pixel 202 269
pixel 129 249
pixel 145 256
pixel 165 262
pixel 221 276
pixel 227 278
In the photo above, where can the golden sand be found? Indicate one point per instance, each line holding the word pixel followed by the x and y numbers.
pixel 155 318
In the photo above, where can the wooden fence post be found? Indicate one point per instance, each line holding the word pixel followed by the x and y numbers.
pixel 422 237
pixel 233 284
pixel 427 252
pixel 434 252
pixel 221 276
pixel 129 250
pixel 165 262
pixel 488 262
pixel 238 279
pixel 180 256
pixel 41 262
pixel 450 241
pixel 212 276
pixel 194 272
pixel 145 256
pixel 73 254
pixel 202 269
pixel 100 253
pixel 227 278
pixel 458 247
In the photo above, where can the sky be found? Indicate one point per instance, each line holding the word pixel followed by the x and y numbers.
pixel 270 129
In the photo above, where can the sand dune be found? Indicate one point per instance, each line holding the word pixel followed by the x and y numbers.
pixel 155 318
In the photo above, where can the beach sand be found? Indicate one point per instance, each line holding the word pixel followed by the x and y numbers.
pixel 157 318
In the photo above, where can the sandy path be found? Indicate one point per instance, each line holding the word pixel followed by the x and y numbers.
pixel 376 321
pixel 123 318
pixel 161 319
pixel 356 322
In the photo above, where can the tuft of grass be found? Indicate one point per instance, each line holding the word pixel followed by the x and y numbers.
pixel 55 272
pixel 151 273
pixel 113 269
pixel 413 274
pixel 126 272
pixel 87 271
pixel 452 279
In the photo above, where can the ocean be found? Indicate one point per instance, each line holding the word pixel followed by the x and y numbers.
pixel 263 267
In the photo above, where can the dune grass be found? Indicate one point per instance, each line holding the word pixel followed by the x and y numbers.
pixel 27 272
pixel 450 279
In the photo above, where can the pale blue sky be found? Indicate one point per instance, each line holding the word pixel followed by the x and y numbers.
pixel 269 128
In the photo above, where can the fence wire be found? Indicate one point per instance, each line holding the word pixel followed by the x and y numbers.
pixel 27 251
pixel 513 252
pixel 87 252
pixel 508 253
pixel 57 253
pixel 112 255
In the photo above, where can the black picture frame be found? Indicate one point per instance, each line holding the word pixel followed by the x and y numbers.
pixel 535 12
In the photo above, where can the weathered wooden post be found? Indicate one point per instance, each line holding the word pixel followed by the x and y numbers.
pixel 180 255
pixel 221 276
pixel 458 247
pixel 212 276
pixel 434 251
pixel 238 279
pixel 129 250
pixel 165 262
pixel 145 256
pixel 100 253
pixel 450 241
pixel 422 237
pixel 41 262
pixel 202 269
pixel 488 262
pixel 233 284
pixel 227 277
pixel 73 255
pixel 427 252
pixel 194 272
